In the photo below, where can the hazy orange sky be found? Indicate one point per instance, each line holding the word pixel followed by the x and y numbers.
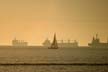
pixel 36 20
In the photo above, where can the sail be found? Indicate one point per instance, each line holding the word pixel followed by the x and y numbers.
pixel 54 44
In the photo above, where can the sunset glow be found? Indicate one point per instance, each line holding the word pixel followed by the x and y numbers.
pixel 36 20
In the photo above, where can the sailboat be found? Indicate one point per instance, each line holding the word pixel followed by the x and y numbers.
pixel 54 44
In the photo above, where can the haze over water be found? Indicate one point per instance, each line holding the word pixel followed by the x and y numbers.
pixel 36 20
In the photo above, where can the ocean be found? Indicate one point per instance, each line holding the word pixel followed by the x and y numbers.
pixel 37 59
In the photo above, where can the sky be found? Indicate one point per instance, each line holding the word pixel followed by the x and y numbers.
pixel 36 20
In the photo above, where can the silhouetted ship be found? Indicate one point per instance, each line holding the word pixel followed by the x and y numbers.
pixel 20 43
pixel 54 44
pixel 62 43
pixel 97 44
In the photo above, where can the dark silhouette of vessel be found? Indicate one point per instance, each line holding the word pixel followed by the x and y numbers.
pixel 97 44
pixel 54 44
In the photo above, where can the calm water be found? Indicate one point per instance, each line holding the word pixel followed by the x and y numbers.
pixel 55 68
pixel 44 55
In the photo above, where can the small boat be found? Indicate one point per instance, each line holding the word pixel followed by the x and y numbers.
pixel 54 44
